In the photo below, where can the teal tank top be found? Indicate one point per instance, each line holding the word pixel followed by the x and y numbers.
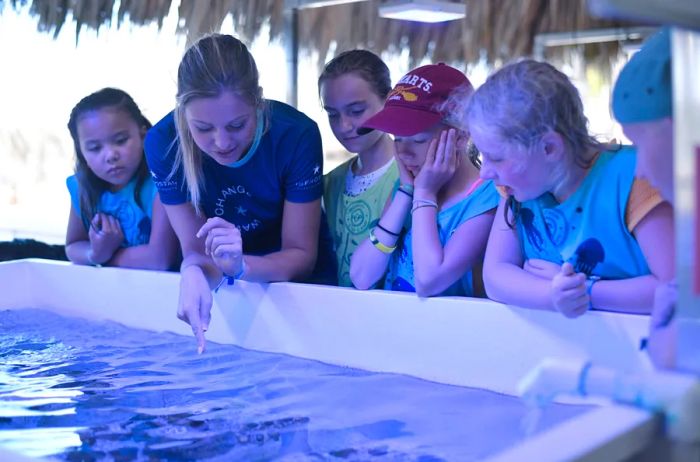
pixel 135 221
pixel 399 274
pixel 588 229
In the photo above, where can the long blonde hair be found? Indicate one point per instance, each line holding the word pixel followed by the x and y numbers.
pixel 214 64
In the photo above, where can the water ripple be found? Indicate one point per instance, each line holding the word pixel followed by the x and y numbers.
pixel 79 390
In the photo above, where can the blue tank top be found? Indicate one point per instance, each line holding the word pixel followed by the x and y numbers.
pixel 399 275
pixel 134 220
pixel 588 228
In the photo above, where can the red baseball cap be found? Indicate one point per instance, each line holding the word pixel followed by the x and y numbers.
pixel 413 105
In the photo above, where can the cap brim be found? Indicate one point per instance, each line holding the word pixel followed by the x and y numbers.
pixel 400 121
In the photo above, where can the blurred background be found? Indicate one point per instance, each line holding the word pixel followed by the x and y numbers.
pixel 54 52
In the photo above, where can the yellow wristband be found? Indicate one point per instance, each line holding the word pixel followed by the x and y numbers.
pixel 381 247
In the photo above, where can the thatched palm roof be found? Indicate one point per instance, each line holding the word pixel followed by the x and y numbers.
pixel 497 30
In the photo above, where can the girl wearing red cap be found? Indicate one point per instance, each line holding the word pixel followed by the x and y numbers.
pixel 433 231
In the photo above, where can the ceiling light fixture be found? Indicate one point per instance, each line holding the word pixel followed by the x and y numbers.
pixel 423 10
pixel 304 4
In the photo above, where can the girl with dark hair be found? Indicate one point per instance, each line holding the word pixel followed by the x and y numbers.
pixel 353 87
pixel 116 216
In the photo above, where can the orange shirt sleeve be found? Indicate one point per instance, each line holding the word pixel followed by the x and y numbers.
pixel 643 198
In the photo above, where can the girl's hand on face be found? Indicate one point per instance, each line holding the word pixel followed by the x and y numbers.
pixel 405 176
pixel 541 268
pixel 105 236
pixel 194 305
pixel 440 163
pixel 569 294
pixel 223 243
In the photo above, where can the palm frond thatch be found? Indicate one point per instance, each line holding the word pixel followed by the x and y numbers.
pixel 495 30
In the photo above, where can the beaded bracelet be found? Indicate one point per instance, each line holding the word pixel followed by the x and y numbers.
pixel 376 243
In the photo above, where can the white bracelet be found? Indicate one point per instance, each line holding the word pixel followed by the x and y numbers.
pixel 420 203
pixel 424 202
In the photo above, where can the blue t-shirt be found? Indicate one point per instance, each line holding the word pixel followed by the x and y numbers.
pixel 135 219
pixel 287 165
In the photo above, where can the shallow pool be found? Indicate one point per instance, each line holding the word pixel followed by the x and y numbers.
pixel 83 390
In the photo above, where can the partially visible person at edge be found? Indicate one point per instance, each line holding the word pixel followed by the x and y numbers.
pixel 116 216
pixel 576 231
pixel 432 233
pixel 353 87
pixel 240 178
pixel 642 103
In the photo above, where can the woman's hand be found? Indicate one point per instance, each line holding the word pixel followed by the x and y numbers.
pixel 105 236
pixel 542 268
pixel 194 305
pixel 440 165
pixel 569 294
pixel 224 244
